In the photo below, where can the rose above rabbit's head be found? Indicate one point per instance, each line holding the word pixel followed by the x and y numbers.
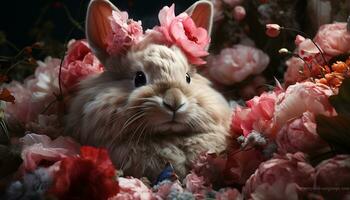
pixel 150 105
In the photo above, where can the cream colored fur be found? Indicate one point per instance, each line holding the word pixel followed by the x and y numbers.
pixel 108 111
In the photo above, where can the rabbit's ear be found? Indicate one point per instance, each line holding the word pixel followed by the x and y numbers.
pixel 98 26
pixel 202 14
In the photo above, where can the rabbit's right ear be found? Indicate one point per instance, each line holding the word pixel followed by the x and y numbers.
pixel 98 26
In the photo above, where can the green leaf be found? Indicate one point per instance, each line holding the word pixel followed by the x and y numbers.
pixel 341 102
pixel 10 160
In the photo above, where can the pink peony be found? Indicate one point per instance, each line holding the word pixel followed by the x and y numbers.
pixel 300 135
pixel 183 32
pixel 23 110
pixel 35 94
pixel 257 116
pixel 273 30
pixel 290 168
pixel 276 191
pixel 309 52
pixel 334 173
pixel 79 63
pixel 235 64
pixel 125 33
pixel 239 13
pixel 132 189
pixel 40 150
pixel 228 194
pixel 333 39
pixel 302 97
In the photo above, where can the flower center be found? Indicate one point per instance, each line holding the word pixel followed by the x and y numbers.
pixel 189 35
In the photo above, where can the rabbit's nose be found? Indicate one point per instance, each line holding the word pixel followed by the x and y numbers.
pixel 173 99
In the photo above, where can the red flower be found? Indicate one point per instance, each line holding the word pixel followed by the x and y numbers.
pixel 90 176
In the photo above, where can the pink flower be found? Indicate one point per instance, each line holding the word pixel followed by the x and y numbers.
pixel 273 30
pixel 22 110
pixel 300 135
pixel 40 150
pixel 256 116
pixel 239 13
pixel 183 32
pixel 35 94
pixel 163 189
pixel 125 33
pixel 302 97
pixel 132 189
pixel 79 63
pixel 277 190
pixel 228 193
pixel 309 52
pixel 240 166
pixel 334 173
pixel 211 167
pixel 296 71
pixel 333 39
pixel 195 185
pixel 290 168
pixel 299 39
pixel 233 3
pixel 235 64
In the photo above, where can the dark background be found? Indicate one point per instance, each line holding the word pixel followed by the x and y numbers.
pixel 24 22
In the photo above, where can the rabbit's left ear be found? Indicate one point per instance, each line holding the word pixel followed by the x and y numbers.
pixel 202 14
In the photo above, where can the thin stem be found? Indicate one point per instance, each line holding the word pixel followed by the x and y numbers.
pixel 71 19
pixel 307 36
pixel 12 45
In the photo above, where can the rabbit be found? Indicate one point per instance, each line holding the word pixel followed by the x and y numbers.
pixel 150 106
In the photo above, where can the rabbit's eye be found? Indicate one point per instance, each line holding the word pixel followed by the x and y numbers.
pixel 140 79
pixel 188 78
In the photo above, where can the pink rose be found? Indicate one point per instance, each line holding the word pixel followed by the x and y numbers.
pixel 79 63
pixel 41 150
pixel 256 116
pixel 290 168
pixel 182 31
pixel 228 193
pixel 132 189
pixel 239 13
pixel 302 97
pixel 125 33
pixel 334 173
pixel 235 64
pixel 333 39
pixel 300 135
